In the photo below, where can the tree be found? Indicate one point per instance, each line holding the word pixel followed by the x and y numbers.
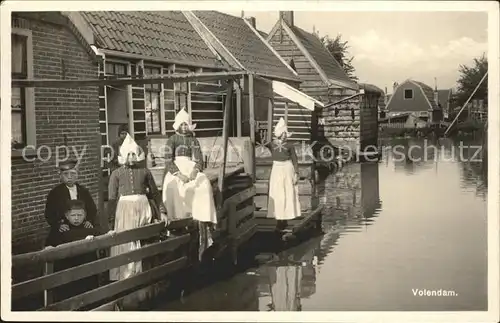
pixel 339 50
pixel 470 76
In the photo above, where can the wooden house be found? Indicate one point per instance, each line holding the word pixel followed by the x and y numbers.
pixel 324 79
pixel 417 97
pixel 242 46
pixel 49 45
pixel 149 43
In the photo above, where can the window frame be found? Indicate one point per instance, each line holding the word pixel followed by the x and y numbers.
pixel 148 90
pixel 178 91
pixel 412 94
pixel 29 147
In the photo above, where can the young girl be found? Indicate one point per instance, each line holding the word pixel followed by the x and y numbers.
pixel 283 203
pixel 186 190
pixel 128 187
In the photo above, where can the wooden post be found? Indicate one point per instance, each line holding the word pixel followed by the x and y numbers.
pixel 238 109
pixel 251 106
pixel 48 297
pixel 225 137
pixel 270 113
pixel 286 113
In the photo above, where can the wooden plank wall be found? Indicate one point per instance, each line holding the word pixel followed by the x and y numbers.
pixel 312 84
pixel 299 119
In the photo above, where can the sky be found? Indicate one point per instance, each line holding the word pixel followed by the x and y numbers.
pixel 391 47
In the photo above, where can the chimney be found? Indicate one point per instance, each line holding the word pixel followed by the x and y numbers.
pixel 394 86
pixel 252 22
pixel 288 17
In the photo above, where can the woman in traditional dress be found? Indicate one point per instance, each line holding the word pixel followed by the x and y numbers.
pixel 128 187
pixel 186 190
pixel 283 202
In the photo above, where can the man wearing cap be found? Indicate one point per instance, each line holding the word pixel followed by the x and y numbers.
pixel 68 190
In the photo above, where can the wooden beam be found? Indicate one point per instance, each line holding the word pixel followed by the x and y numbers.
pixel 238 107
pixel 225 138
pixel 270 113
pixel 83 246
pixel 170 78
pixel 251 105
pixel 465 105
pixel 239 197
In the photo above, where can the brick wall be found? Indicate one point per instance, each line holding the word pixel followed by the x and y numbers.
pixel 73 112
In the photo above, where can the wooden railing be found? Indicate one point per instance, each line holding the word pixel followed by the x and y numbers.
pixel 113 290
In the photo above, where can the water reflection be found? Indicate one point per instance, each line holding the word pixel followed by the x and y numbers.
pixel 351 197
pixel 290 277
pixel 410 156
pixel 429 233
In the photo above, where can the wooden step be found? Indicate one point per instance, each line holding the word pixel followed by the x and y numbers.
pixel 266 224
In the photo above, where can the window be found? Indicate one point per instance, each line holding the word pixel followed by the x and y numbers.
pixel 181 93
pixel 153 111
pixel 21 98
pixel 408 94
pixel 115 69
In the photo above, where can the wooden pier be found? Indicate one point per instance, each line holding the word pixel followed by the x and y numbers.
pixel 309 202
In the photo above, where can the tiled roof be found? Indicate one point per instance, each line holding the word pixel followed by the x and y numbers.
pixel 443 97
pixel 321 55
pixel 428 92
pixel 160 34
pixel 244 44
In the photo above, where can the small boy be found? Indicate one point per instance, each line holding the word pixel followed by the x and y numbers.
pixel 75 217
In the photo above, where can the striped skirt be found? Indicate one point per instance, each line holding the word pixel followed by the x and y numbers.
pixel 132 211
pixel 283 202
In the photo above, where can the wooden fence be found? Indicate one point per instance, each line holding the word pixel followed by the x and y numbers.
pixel 162 257
pixel 108 292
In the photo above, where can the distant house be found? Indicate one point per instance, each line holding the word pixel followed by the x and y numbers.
pixel 415 97
pixel 406 120
pixel 324 79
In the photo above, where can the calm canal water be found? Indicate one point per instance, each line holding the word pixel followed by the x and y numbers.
pixel 390 228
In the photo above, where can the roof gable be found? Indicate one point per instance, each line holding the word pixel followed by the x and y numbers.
pixel 425 90
pixel 245 45
pixel 323 61
pixel 428 93
pixel 157 34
